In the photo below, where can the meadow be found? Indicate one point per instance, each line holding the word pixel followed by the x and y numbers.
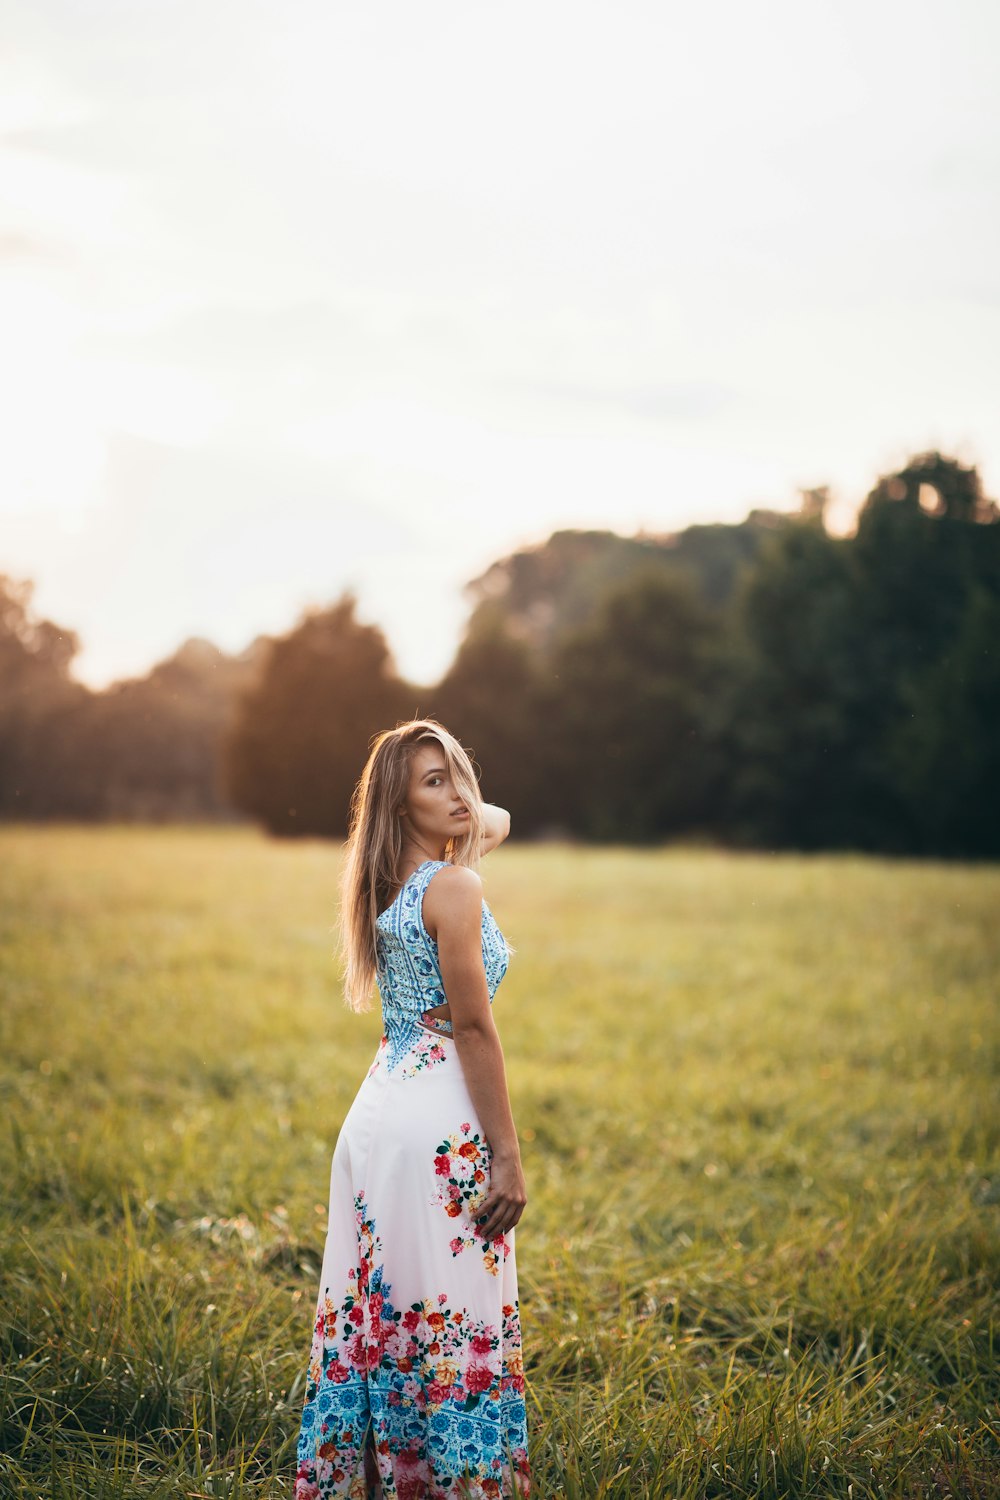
pixel 757 1097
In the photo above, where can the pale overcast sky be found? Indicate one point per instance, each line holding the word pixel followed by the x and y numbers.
pixel 298 296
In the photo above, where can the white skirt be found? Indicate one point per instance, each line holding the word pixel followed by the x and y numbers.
pixel 416 1387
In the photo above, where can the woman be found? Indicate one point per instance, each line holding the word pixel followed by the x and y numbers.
pixel 415 1385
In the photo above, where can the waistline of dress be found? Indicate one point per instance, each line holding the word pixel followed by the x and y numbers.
pixel 438 1025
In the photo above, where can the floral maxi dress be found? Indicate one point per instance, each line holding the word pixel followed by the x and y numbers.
pixel 415 1387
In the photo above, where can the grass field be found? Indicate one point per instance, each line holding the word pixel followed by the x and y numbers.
pixel 758 1104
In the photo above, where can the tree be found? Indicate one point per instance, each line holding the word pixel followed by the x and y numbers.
pixel 35 692
pixel 837 646
pixel 542 594
pixel 302 731
pixel 630 760
pixel 148 747
pixel 493 698
pixel 784 721
pixel 944 750
pixel 926 543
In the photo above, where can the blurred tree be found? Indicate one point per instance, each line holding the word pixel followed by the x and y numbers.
pixel 36 695
pixel 764 681
pixel 782 720
pixel 493 698
pixel 542 594
pixel 147 748
pixel 833 642
pixel 926 561
pixel 944 750
pixel 629 759
pixel 140 749
pixel 939 486
pixel 302 731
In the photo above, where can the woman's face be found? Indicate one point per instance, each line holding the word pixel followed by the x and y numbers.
pixel 434 810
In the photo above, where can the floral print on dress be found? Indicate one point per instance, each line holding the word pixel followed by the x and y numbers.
pixel 414 1385
pixel 407 961
pixel 423 1054
pixel 462 1161
pixel 445 1391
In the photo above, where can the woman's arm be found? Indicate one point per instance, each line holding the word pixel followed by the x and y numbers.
pixel 497 827
pixel 453 903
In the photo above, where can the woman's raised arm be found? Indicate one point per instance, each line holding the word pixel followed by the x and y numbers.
pixel 497 827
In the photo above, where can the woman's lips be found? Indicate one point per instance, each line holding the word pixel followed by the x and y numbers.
pixel 463 812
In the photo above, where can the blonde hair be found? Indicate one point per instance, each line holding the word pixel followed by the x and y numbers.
pixel 370 876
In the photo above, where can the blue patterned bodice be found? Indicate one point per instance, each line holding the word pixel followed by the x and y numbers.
pixel 406 963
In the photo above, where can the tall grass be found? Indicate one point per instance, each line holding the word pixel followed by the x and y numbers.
pixel 757 1100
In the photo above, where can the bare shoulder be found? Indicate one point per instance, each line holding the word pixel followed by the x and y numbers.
pixel 454 894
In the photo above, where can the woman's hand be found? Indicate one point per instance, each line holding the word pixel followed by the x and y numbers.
pixel 453 908
pixel 504 1203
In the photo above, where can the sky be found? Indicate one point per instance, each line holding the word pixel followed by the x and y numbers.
pixel 298 297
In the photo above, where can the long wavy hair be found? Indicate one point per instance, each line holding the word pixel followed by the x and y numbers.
pixel 372 855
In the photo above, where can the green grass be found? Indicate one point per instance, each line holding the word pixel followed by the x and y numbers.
pixel 757 1099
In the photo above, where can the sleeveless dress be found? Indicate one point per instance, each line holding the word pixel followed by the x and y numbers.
pixel 416 1351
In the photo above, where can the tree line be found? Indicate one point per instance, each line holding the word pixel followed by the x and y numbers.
pixel 765 684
